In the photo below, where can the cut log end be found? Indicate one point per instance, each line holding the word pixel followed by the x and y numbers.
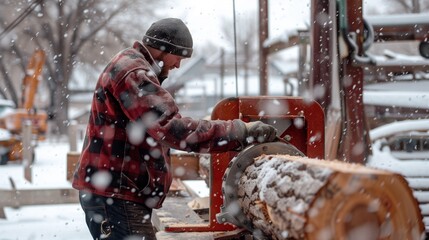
pixel 290 197
pixel 377 206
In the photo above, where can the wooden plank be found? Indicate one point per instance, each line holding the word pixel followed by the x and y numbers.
pixel 185 165
pixel 422 197
pixel 162 235
pixel 425 209
pixel 18 198
pixel 175 211
pixel 196 188
pixel 176 187
pixel 235 234
pixel 418 183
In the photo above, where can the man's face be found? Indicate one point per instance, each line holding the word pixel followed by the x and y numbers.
pixel 167 63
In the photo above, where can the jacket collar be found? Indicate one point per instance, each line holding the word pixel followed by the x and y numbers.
pixel 143 50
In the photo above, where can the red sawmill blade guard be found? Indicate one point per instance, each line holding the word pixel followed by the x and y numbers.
pixel 298 121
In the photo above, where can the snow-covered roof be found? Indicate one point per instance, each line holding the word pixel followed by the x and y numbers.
pixel 399 127
pixel 285 37
pixel 397 99
pixel 399 19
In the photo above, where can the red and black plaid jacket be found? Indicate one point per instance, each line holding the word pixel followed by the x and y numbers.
pixel 133 124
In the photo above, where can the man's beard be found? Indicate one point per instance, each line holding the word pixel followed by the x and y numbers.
pixel 163 75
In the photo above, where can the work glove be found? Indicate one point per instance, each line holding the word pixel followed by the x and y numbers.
pixel 259 132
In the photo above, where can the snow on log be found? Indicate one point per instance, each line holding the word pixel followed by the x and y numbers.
pixel 291 197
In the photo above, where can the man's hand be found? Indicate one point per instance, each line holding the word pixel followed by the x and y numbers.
pixel 260 132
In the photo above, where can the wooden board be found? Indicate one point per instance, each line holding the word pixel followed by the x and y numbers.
pixel 185 165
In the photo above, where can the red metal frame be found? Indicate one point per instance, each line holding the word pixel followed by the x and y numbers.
pixel 308 136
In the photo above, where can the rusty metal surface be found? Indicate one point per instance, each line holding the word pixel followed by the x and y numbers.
pixel 354 144
pixel 321 59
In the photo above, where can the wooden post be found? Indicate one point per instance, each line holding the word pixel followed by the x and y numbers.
pixel 72 133
pixel 25 197
pixel 27 149
pixel 291 197
pixel 185 166
pixel 222 73
pixel 72 160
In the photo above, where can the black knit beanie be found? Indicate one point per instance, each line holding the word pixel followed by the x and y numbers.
pixel 170 35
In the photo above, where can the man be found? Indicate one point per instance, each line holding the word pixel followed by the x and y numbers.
pixel 124 169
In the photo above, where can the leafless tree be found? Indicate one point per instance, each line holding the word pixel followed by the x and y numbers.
pixel 70 32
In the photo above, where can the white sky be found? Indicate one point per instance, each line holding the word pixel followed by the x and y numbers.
pixel 204 18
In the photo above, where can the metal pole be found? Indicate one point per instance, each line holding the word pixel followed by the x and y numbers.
pixel 222 73
pixel 263 51
pixel 320 74
pixel 355 144
pixel 235 50
pixel 302 61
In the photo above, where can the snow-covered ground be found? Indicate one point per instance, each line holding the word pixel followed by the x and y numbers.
pixel 65 221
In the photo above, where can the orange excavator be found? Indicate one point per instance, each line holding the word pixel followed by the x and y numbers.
pixel 12 122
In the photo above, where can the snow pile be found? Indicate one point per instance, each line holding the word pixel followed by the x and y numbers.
pixel 60 221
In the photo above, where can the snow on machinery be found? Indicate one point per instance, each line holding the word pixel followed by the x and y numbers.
pixel 15 119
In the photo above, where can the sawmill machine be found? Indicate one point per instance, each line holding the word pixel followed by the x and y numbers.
pixel 311 183
pixel 286 190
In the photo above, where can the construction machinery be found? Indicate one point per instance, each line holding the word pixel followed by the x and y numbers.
pixel 15 119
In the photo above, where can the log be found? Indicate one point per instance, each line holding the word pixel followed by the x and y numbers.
pixel 292 197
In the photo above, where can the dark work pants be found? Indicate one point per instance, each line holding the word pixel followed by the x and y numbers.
pixel 116 219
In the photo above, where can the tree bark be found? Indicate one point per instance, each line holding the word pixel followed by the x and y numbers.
pixel 290 197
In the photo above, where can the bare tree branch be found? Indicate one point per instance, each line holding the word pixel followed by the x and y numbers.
pixel 19 55
pixel 8 84
pixel 84 39
pixel 70 32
